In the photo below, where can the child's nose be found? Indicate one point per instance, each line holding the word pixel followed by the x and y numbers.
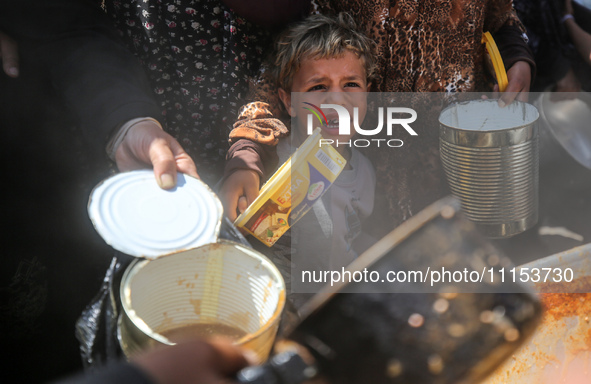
pixel 336 97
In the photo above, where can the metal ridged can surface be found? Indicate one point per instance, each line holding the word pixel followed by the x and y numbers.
pixel 490 158
pixel 221 284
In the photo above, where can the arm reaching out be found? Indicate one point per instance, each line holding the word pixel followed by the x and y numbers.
pixel 581 39
pixel 194 362
pixel 517 58
pixel 191 362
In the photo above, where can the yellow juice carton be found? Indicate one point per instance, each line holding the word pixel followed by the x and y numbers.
pixel 292 190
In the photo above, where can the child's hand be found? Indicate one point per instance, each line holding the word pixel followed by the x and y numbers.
pixel 239 191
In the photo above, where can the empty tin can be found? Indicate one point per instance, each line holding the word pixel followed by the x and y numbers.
pixel 490 157
pixel 222 289
pixel 187 282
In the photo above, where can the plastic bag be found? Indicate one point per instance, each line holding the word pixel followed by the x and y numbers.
pixel 96 328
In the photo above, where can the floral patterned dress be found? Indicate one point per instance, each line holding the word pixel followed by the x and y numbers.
pixel 199 56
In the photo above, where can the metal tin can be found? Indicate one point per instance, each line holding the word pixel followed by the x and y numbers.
pixel 490 157
pixel 222 286
pixel 187 282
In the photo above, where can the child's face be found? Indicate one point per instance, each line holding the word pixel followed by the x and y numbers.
pixel 339 80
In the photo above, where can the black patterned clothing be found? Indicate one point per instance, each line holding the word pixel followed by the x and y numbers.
pixel 198 56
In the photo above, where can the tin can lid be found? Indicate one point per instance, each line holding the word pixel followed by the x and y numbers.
pixel 135 216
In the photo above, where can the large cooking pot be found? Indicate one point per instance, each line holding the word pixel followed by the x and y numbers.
pixel 560 349
pixel 361 333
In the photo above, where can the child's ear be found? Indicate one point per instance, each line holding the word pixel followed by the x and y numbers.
pixel 286 100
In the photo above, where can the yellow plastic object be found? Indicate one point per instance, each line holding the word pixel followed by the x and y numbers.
pixel 496 60
pixel 292 190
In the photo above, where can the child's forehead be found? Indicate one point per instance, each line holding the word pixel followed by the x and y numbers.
pixel 319 55
pixel 349 59
pixel 345 65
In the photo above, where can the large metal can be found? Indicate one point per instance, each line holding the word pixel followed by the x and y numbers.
pixel 490 157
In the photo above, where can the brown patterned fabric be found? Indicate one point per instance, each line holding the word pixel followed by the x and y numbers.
pixel 254 124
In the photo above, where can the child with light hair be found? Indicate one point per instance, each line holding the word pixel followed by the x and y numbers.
pixel 324 60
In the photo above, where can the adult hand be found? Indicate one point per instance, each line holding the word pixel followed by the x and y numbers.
pixel 145 145
pixel 8 55
pixel 519 77
pixel 193 362
pixel 240 189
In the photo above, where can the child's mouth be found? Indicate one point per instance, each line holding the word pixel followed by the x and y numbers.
pixel 332 124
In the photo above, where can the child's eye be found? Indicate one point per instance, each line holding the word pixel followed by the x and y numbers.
pixel 318 87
